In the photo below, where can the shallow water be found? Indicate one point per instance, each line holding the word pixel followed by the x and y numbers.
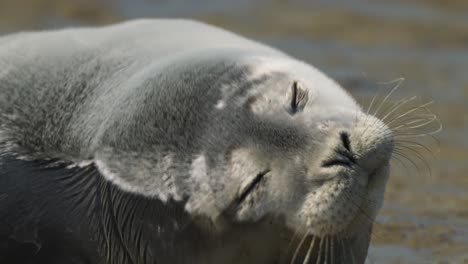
pixel 425 216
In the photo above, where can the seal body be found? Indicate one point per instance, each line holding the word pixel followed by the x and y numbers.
pixel 172 141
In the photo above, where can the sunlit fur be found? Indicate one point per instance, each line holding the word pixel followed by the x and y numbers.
pixel 183 117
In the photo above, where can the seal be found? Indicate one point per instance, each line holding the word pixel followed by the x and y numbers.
pixel 173 141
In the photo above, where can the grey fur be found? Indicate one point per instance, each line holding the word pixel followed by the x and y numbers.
pixel 179 111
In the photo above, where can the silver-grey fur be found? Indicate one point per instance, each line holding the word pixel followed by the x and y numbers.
pixel 179 111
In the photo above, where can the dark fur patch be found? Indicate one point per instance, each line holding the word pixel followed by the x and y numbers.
pixel 53 214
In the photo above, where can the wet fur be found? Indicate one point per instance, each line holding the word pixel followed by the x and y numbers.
pixel 64 215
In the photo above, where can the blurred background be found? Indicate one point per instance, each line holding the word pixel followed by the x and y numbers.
pixel 361 44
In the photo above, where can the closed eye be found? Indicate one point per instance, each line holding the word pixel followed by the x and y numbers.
pixel 232 208
pixel 251 186
pixel 298 98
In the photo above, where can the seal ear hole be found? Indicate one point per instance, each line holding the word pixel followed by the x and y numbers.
pixel 297 98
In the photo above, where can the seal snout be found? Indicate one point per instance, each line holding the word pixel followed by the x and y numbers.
pixel 373 143
pixel 344 155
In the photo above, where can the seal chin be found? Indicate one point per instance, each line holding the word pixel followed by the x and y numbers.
pixel 330 209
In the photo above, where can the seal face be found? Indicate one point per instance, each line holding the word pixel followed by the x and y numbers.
pixel 171 141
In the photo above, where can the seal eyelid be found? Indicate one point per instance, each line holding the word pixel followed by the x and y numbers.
pixel 251 186
pixel 234 205
pixel 298 98
pixel 294 96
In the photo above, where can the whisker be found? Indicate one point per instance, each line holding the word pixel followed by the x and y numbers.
pixel 414 120
pixel 371 103
pixel 403 142
pixel 400 162
pixel 400 133
pixel 399 82
pixel 418 156
pixel 397 106
pixel 296 252
pixel 332 249
pixel 368 125
pixel 400 106
pixel 320 251
pixel 351 199
pixel 365 220
pixel 408 159
pixel 293 237
pixel 309 251
pixel 370 107
pixel 357 108
pixel 326 248
pixel 415 123
pixel 343 247
pixel 352 253
pixel 411 110
pixel 411 135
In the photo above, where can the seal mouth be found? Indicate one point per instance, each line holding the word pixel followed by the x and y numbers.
pixel 344 158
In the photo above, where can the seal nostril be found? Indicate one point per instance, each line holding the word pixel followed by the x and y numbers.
pixel 346 157
pixel 346 141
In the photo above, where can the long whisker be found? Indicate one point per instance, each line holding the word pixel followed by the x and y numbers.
pixel 343 250
pixel 399 82
pixel 332 249
pixel 326 248
pixel 415 122
pixel 414 144
pixel 350 247
pixel 396 157
pixel 418 156
pixel 411 110
pixel 365 219
pixel 320 251
pixel 398 105
pixel 372 124
pixel 291 242
pixel 371 103
pixel 370 106
pixel 350 198
pixel 309 251
pixel 408 159
pixel 296 252
pixel 400 133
